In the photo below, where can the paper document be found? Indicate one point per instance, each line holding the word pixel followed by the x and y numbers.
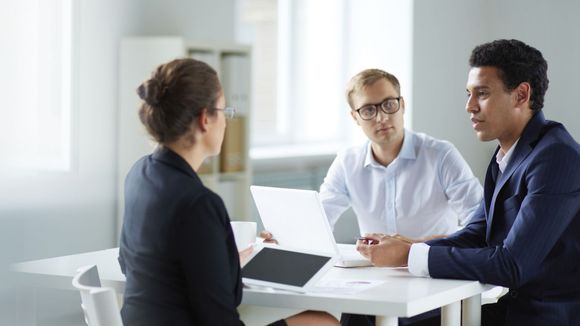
pixel 344 286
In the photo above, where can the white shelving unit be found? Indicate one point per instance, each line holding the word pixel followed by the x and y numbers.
pixel 229 175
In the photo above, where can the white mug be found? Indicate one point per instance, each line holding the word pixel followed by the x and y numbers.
pixel 244 233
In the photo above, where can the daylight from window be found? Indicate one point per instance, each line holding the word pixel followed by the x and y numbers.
pixel 304 54
pixel 35 129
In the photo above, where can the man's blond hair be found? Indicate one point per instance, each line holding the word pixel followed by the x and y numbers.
pixel 366 78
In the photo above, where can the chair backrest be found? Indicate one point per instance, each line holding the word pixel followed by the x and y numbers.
pixel 99 303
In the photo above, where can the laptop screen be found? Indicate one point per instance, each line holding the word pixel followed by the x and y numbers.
pixel 295 217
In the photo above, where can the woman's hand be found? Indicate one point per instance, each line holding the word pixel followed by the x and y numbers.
pixel 268 237
pixel 245 254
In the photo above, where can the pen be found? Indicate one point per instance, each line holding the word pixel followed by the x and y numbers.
pixel 373 241
pixel 367 240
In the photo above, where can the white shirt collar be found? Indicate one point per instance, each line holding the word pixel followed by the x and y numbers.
pixel 407 150
pixel 392 199
pixel 502 159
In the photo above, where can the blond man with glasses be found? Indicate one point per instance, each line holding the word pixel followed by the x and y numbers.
pixel 398 181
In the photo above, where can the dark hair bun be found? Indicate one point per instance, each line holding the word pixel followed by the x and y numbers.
pixel 151 92
pixel 176 93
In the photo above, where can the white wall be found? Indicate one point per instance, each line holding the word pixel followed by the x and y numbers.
pixel 52 214
pixel 380 35
pixel 445 32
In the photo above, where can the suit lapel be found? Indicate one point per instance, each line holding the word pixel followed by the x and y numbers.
pixel 488 191
pixel 524 147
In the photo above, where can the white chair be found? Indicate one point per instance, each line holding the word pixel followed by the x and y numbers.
pixel 99 303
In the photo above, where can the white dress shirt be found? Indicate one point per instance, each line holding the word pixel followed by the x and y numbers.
pixel 503 160
pixel 427 190
pixel 418 260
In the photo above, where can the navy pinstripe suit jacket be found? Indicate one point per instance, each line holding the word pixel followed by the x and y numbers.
pixel 526 232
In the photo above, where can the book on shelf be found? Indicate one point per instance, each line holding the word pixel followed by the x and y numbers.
pixel 206 166
pixel 233 153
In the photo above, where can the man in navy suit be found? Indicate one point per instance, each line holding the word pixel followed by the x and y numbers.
pixel 525 235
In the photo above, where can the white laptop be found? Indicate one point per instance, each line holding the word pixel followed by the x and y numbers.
pixel 284 268
pixel 297 219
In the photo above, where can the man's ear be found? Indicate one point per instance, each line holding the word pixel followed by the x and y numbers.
pixel 523 94
pixel 353 115
pixel 203 121
pixel 402 104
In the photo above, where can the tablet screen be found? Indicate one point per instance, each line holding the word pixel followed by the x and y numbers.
pixel 284 267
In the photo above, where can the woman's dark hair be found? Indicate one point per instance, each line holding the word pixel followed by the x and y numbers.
pixel 175 95
pixel 516 62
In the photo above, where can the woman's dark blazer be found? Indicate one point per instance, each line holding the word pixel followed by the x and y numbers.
pixel 177 248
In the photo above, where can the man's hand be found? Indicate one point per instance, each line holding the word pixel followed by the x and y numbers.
pixel 403 238
pixel 388 252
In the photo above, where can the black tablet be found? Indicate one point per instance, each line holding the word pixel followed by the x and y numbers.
pixel 283 268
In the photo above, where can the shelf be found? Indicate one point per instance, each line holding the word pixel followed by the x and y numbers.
pixel 229 174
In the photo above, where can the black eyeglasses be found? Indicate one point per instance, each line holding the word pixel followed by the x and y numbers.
pixel 390 106
pixel 229 112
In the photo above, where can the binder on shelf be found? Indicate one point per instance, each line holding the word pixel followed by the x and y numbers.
pixel 233 153
pixel 206 166
pixel 235 74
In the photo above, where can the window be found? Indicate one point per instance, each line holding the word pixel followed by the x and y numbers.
pixel 305 52
pixel 35 128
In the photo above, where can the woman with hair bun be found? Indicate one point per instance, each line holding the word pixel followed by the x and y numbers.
pixel 177 247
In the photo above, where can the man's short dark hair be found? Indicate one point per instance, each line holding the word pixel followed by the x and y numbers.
pixel 516 62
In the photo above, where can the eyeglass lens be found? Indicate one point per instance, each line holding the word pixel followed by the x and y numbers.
pixel 388 106
pixel 230 112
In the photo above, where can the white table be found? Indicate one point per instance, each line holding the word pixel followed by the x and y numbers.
pixel 401 294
